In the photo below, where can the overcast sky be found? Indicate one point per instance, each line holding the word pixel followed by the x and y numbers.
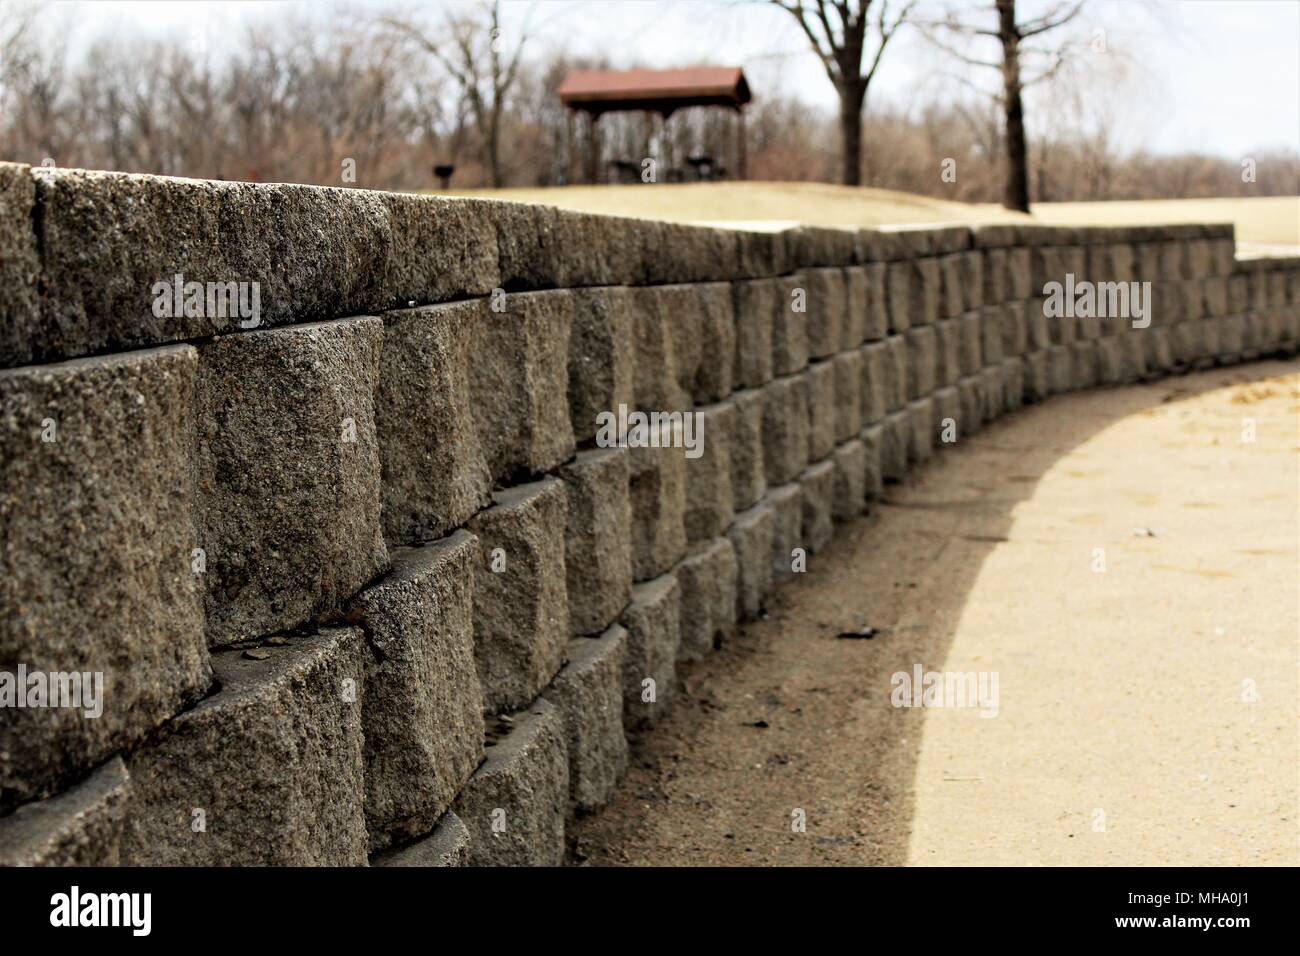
pixel 1208 75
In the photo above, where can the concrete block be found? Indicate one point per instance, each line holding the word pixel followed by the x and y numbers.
pixel 898 282
pixel 992 318
pixel 970 399
pixel 874 381
pixel 822 408
pixel 423 715
pixel 1060 369
pixel 288 474
pixel 1015 330
pixel 435 475
pixel 1159 356
pixel 1084 364
pixel 748 474
pixel 828 310
pixel 995 277
pixel 755 303
pixel 707 578
pixel 848 394
pixel 597 537
pixel 602 356
pixel 80 827
pixel 894 447
pixel 447 845
pixel 952 293
pixel 752 537
pixel 970 354
pixel 785 428
pixel 1038 332
pixel 786 505
pixel 920 423
pixel 516 803
pixel 704 338
pixel 948 352
pixel 589 695
pixel 897 361
pixel 922 349
pixel 656 381
pixel 790 326
pixel 1038 380
pixel 1013 384
pixel 873 480
pixel 709 500
pixel 653 623
pixel 876 318
pixel 109 238
pixel 924 297
pixel 519 384
pixel 970 267
pixel 850 493
pixel 21 330
pixel 96 539
pixel 521 616
pixel 818 486
pixel 1019 278
pixel 990 391
pixel 657 490
pixel 272 765
pixel 853 330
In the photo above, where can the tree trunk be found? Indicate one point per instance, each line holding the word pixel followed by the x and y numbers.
pixel 1017 184
pixel 853 93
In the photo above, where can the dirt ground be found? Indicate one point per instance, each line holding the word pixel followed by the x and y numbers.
pixel 1147 712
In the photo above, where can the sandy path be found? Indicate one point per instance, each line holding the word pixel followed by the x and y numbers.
pixel 1126 730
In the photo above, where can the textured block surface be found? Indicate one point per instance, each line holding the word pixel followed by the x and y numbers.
pixel 751 536
pixel 785 428
pixel 707 579
pixel 267 772
pixel 653 623
pixel 601 357
pixel 589 695
pixel 447 845
pixel 748 473
pixel 521 619
pixel 818 485
pixel 657 489
pixel 288 474
pixel 598 537
pixel 80 827
pixel 435 475
pixel 96 552
pixel 515 804
pixel 519 384
pixel 423 718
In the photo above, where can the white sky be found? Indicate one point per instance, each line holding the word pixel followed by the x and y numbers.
pixel 1211 75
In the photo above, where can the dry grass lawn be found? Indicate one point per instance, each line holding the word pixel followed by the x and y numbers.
pixel 1269 221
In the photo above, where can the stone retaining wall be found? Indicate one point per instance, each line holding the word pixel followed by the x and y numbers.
pixel 359 580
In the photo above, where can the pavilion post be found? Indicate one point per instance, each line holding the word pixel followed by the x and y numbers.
pixel 742 157
pixel 593 148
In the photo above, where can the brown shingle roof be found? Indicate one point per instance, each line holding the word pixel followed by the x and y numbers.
pixel 655 89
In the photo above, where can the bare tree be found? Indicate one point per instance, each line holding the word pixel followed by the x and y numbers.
pixel 473 55
pixel 838 31
pixel 1010 34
